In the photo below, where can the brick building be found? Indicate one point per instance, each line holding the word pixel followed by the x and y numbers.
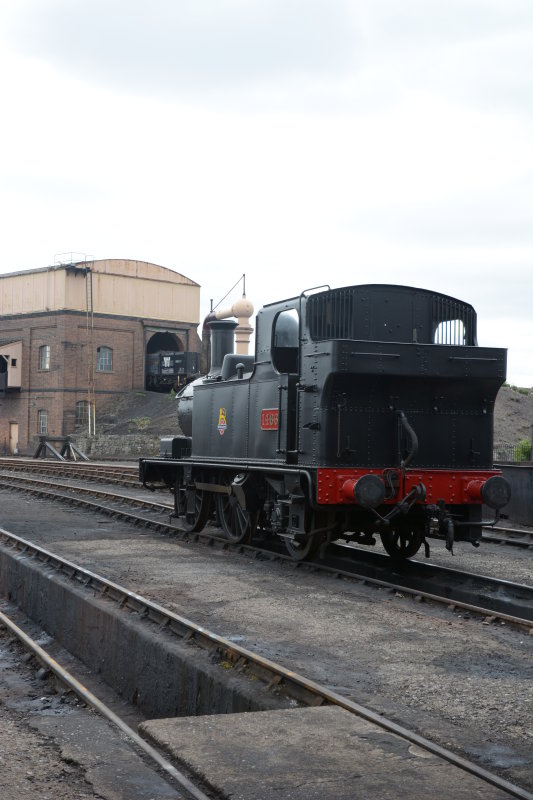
pixel 74 336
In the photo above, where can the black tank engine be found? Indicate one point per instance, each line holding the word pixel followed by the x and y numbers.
pixel 366 410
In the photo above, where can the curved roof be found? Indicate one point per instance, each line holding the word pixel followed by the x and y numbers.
pixel 138 269
pixel 114 266
pixel 123 287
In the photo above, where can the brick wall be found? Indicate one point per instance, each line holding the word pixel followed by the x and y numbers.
pixel 58 389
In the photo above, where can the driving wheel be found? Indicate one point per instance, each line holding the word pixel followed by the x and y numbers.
pixel 302 549
pixel 238 525
pixel 192 520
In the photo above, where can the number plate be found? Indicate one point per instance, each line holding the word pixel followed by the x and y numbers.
pixel 269 419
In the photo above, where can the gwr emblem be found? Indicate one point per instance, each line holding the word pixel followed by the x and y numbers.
pixel 222 422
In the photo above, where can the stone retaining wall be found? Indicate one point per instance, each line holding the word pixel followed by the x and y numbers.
pixel 126 446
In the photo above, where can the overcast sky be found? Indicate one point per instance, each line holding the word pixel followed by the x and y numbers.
pixel 301 143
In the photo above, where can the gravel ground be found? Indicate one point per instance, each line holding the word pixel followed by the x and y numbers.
pixel 52 746
pixel 465 684
pixel 31 764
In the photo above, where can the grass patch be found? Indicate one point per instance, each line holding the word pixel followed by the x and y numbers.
pixel 140 422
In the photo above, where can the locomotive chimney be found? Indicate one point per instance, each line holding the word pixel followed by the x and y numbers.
pixel 222 342
pixel 243 310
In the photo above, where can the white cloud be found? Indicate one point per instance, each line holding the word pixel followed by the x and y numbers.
pixel 188 46
pixel 303 143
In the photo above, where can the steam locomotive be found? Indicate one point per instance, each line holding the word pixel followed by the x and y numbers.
pixel 367 410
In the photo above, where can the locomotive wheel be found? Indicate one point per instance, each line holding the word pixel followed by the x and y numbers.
pixel 237 524
pixel 300 550
pixel 193 521
pixel 402 543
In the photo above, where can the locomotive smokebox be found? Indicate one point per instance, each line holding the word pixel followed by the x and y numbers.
pixel 222 343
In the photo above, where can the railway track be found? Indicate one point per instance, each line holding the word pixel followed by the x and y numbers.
pixel 66 679
pixel 127 475
pixel 274 675
pixel 511 536
pixel 490 598
pixel 119 474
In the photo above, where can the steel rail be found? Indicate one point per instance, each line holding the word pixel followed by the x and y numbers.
pixel 36 463
pixel 98 477
pixel 509 536
pixel 121 475
pixel 88 697
pixel 85 490
pixel 490 614
pixel 507 529
pixel 273 674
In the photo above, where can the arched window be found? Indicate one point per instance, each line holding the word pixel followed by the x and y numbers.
pixel 42 421
pixel 104 359
pixel 44 356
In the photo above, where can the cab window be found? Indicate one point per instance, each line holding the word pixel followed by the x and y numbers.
pixel 285 341
pixel 451 331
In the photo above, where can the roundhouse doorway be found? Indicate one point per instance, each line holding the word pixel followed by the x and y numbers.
pixel 164 341
pixel 161 350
